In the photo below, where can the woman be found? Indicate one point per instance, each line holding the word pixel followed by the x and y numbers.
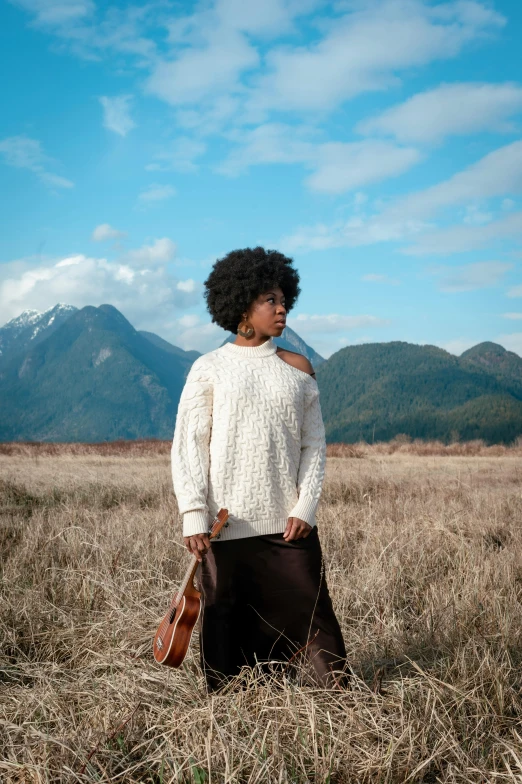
pixel 249 437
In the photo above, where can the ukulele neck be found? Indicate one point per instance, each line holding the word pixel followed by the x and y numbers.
pixel 187 580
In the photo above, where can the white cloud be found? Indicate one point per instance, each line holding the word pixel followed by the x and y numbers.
pixel 460 108
pixel 468 277
pixel 180 155
pixel 116 114
pixel 25 153
pixel 515 291
pixel 359 199
pixel 511 342
pixel 157 192
pixel 458 345
pixel 198 73
pixel 190 320
pixel 56 12
pixel 138 283
pixel 268 143
pixel 474 216
pixel 343 167
pixel 262 19
pixel 215 116
pixel 106 232
pixel 513 316
pixel 91 32
pixel 160 252
pixel 337 166
pixel 187 285
pixel 191 332
pixel 497 173
pixel 358 230
pixel 366 49
pixel 211 51
pixel 459 239
pixel 305 323
pixel 375 278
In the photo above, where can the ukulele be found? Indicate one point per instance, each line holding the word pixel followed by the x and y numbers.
pixel 174 633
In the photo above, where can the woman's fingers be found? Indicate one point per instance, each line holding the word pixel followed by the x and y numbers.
pixel 305 529
pixel 296 529
pixel 197 547
pixel 203 542
pixel 197 544
pixel 290 529
pixel 288 526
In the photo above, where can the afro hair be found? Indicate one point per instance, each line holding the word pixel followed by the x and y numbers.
pixel 241 276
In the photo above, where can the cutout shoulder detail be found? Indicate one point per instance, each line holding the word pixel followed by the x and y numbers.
pixel 288 350
pixel 280 352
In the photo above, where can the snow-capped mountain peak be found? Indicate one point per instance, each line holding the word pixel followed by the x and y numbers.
pixel 26 317
pixel 19 333
pixel 49 315
pixel 31 316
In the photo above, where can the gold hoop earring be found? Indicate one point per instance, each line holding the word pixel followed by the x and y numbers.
pixel 245 334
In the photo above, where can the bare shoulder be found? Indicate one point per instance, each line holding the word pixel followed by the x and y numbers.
pixel 296 360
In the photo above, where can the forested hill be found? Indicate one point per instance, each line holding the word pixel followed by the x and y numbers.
pixel 376 390
pixel 504 365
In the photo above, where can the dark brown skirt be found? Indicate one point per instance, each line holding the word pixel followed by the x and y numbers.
pixel 263 599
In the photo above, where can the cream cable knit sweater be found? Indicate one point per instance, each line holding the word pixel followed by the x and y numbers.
pixel 249 436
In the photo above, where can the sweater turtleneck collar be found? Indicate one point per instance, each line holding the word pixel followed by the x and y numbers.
pixel 264 350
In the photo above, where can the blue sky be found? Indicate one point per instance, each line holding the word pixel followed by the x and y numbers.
pixel 377 142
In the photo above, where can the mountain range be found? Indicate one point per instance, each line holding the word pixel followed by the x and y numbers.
pixel 71 374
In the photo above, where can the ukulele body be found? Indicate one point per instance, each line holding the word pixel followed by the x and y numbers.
pixel 171 645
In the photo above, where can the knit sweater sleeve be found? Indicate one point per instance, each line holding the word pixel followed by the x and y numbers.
pixel 190 456
pixel 313 457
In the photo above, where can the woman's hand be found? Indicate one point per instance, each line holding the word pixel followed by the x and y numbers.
pixel 296 529
pixel 197 544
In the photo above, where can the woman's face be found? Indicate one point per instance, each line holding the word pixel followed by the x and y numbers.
pixel 267 314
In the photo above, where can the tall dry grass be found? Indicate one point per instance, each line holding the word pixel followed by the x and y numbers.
pixel 423 558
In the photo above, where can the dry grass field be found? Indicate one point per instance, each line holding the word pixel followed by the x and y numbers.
pixel 423 551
